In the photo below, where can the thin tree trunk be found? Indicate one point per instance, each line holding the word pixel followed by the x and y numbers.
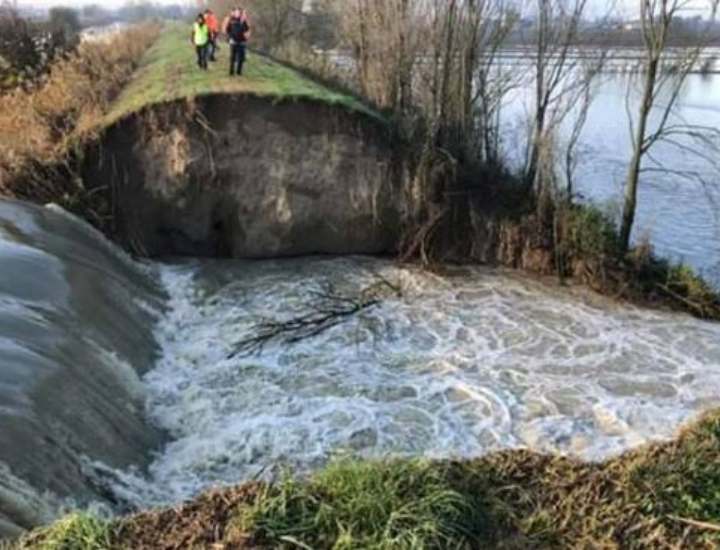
pixel 633 176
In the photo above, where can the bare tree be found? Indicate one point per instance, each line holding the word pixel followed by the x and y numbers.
pixel 580 102
pixel 661 84
pixel 494 80
pixel 558 80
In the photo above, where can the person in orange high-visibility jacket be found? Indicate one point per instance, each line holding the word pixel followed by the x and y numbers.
pixel 214 28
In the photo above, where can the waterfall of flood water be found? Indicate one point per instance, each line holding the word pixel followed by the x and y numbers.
pixel 100 355
pixel 76 321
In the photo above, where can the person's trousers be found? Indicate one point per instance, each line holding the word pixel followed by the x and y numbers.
pixel 212 49
pixel 237 58
pixel 202 56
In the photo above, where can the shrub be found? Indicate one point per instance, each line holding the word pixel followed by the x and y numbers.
pixel 40 126
pixel 590 233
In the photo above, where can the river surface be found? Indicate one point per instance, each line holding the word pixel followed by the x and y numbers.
pixel 679 210
pixel 116 378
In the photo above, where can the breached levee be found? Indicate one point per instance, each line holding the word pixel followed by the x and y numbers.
pixel 96 349
pixel 249 177
pixel 74 339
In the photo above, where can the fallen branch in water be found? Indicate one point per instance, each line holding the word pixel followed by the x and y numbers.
pixel 329 310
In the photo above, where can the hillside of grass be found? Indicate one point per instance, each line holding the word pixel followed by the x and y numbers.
pixel 665 495
pixel 169 72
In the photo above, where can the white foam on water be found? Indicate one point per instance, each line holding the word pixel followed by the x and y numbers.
pixel 457 367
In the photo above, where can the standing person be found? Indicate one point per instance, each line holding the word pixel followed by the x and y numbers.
pixel 214 28
pixel 201 40
pixel 238 31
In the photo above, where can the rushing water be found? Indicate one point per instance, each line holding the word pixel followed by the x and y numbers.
pixel 677 211
pixel 458 365
pixel 76 321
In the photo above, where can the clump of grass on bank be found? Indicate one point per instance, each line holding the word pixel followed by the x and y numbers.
pixel 169 72
pixel 578 242
pixel 590 248
pixel 661 496
pixel 356 505
pixel 74 532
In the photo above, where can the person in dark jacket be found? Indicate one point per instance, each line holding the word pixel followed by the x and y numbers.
pixel 238 32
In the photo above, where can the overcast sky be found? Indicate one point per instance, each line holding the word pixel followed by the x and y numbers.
pixel 627 8
pixel 104 3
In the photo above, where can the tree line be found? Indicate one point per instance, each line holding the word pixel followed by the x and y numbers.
pixel 28 47
pixel 433 66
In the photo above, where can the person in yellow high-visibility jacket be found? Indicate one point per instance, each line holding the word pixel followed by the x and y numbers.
pixel 201 40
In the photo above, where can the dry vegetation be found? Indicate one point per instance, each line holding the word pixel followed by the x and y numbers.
pixel 40 129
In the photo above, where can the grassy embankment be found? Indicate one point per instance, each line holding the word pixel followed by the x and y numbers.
pixel 662 496
pixel 168 72
pixel 43 134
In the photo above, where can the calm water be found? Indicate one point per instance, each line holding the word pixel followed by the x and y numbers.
pixel 679 214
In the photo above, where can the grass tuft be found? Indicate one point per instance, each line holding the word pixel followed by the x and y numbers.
pixel 74 532
pixel 368 505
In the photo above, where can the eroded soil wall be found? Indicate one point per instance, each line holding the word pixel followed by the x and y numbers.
pixel 241 176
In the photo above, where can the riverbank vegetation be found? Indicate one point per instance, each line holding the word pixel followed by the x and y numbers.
pixel 433 68
pixel 42 129
pixel 28 48
pixel 665 495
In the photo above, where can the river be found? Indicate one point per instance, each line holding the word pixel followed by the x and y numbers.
pixel 118 378
pixel 677 212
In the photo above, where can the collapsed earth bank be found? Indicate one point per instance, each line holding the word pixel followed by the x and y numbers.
pixel 247 177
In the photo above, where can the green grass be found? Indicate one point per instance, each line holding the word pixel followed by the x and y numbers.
pixel 660 496
pixel 362 505
pixel 169 72
pixel 74 532
pixel 665 495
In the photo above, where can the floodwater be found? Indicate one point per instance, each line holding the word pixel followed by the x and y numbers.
pixel 119 388
pixel 457 366
pixel 679 197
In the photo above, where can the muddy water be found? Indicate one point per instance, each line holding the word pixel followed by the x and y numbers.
pixel 458 366
pixel 100 357
pixel 76 322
